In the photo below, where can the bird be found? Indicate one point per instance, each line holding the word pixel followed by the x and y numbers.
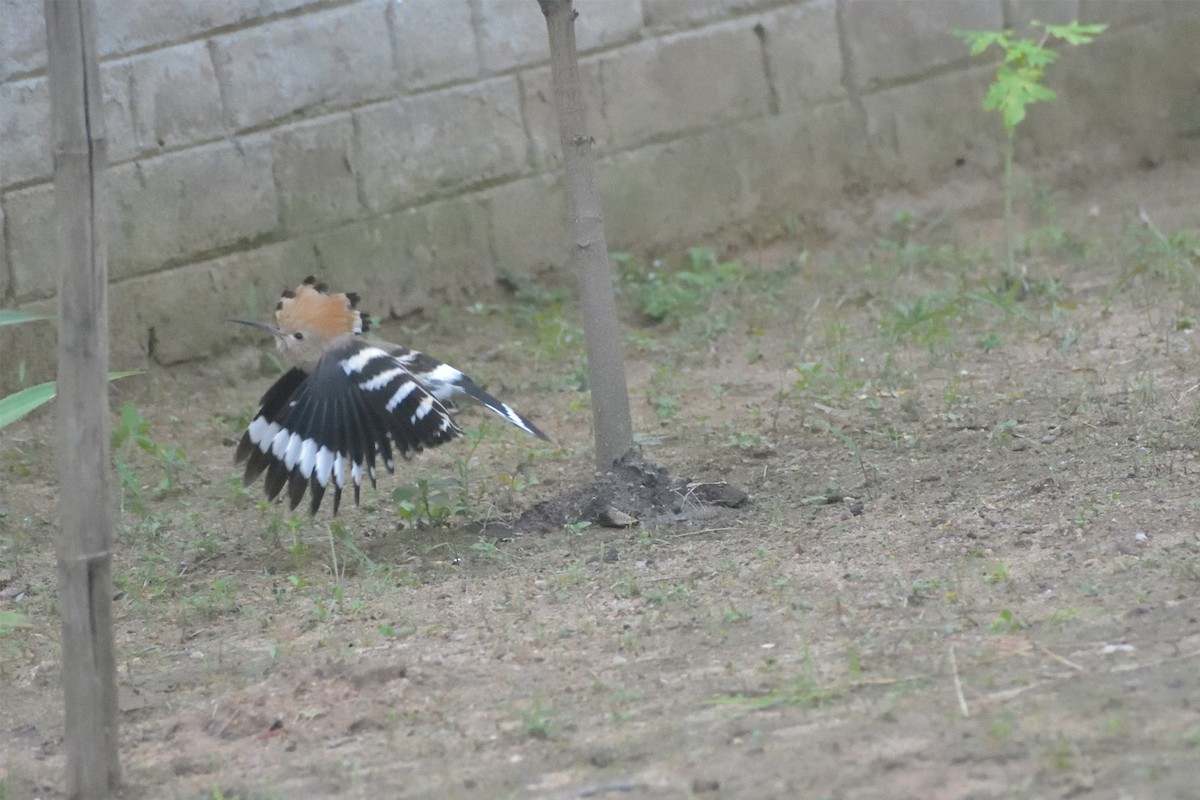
pixel 346 400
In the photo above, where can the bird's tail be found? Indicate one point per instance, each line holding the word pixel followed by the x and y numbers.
pixel 500 409
pixel 447 383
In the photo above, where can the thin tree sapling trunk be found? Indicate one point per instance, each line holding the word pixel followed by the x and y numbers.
pixel 589 257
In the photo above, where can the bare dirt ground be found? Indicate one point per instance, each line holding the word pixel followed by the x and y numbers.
pixel 970 567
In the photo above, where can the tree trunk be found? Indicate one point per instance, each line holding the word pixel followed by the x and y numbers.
pixel 589 258
pixel 84 552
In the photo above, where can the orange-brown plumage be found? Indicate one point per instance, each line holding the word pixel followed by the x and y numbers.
pixel 310 307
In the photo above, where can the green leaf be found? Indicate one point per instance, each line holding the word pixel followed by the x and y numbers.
pixel 15 406
pixel 1012 90
pixel 11 317
pixel 982 40
pixel 1073 32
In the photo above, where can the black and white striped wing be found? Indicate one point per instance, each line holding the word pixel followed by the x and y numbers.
pixel 448 384
pixel 356 405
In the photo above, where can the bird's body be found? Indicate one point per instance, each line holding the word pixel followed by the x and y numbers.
pixel 347 400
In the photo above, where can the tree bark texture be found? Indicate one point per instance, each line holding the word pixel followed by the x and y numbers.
pixel 589 257
pixel 84 552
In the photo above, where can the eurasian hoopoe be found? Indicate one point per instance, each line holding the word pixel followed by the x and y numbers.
pixel 347 399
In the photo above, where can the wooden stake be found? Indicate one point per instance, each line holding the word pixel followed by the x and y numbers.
pixel 84 552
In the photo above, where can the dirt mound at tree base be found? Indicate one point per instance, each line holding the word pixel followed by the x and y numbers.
pixel 634 491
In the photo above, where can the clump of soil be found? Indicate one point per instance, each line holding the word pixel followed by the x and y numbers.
pixel 634 491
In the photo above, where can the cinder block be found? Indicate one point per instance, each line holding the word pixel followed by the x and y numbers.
pixel 26 136
pixel 1180 71
pixel 681 13
pixel 921 129
pixel 741 6
pixel 804 54
pixel 22 37
pixel 314 173
pixel 795 162
pixel 605 23
pixel 182 314
pixel 269 8
pixel 32 245
pixel 123 144
pixel 529 226
pixel 26 140
pixel 183 205
pixel 512 33
pixel 434 42
pixel 331 59
pixel 416 147
pixel 839 154
pixel 1147 77
pixel 411 260
pixel 176 97
pixel 655 195
pixel 127 25
pixel 541 115
pixel 685 81
pixel 1019 13
pixel 890 41
pixel 1120 13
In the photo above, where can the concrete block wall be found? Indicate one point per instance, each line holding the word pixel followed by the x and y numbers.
pixel 409 150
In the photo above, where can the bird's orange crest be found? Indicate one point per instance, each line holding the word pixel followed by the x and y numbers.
pixel 310 306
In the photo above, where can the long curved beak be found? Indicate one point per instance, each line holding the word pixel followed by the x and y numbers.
pixel 271 329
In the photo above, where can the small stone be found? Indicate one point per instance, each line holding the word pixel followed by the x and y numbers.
pixel 611 517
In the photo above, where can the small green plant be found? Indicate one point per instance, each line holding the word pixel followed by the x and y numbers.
pixel 669 296
pixel 427 502
pixel 998 573
pixel 133 431
pixel 558 337
pixel 538 719
pixel 218 599
pixel 662 393
pixel 487 549
pixel 750 442
pixel 1005 622
pixel 432 502
pixel 926 319
pixel 1018 83
pixel 217 793
pixel 1173 259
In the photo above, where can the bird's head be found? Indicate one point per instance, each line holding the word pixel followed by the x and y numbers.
pixel 308 320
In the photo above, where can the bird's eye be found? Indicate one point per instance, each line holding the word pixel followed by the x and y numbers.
pixel 298 336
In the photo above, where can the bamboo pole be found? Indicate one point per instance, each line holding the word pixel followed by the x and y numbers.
pixel 84 552
pixel 611 423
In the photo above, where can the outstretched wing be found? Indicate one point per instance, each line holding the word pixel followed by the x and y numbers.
pixel 357 404
pixel 447 384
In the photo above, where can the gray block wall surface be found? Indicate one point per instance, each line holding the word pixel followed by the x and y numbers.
pixel 409 150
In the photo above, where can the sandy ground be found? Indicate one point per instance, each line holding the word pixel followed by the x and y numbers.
pixel 969 568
